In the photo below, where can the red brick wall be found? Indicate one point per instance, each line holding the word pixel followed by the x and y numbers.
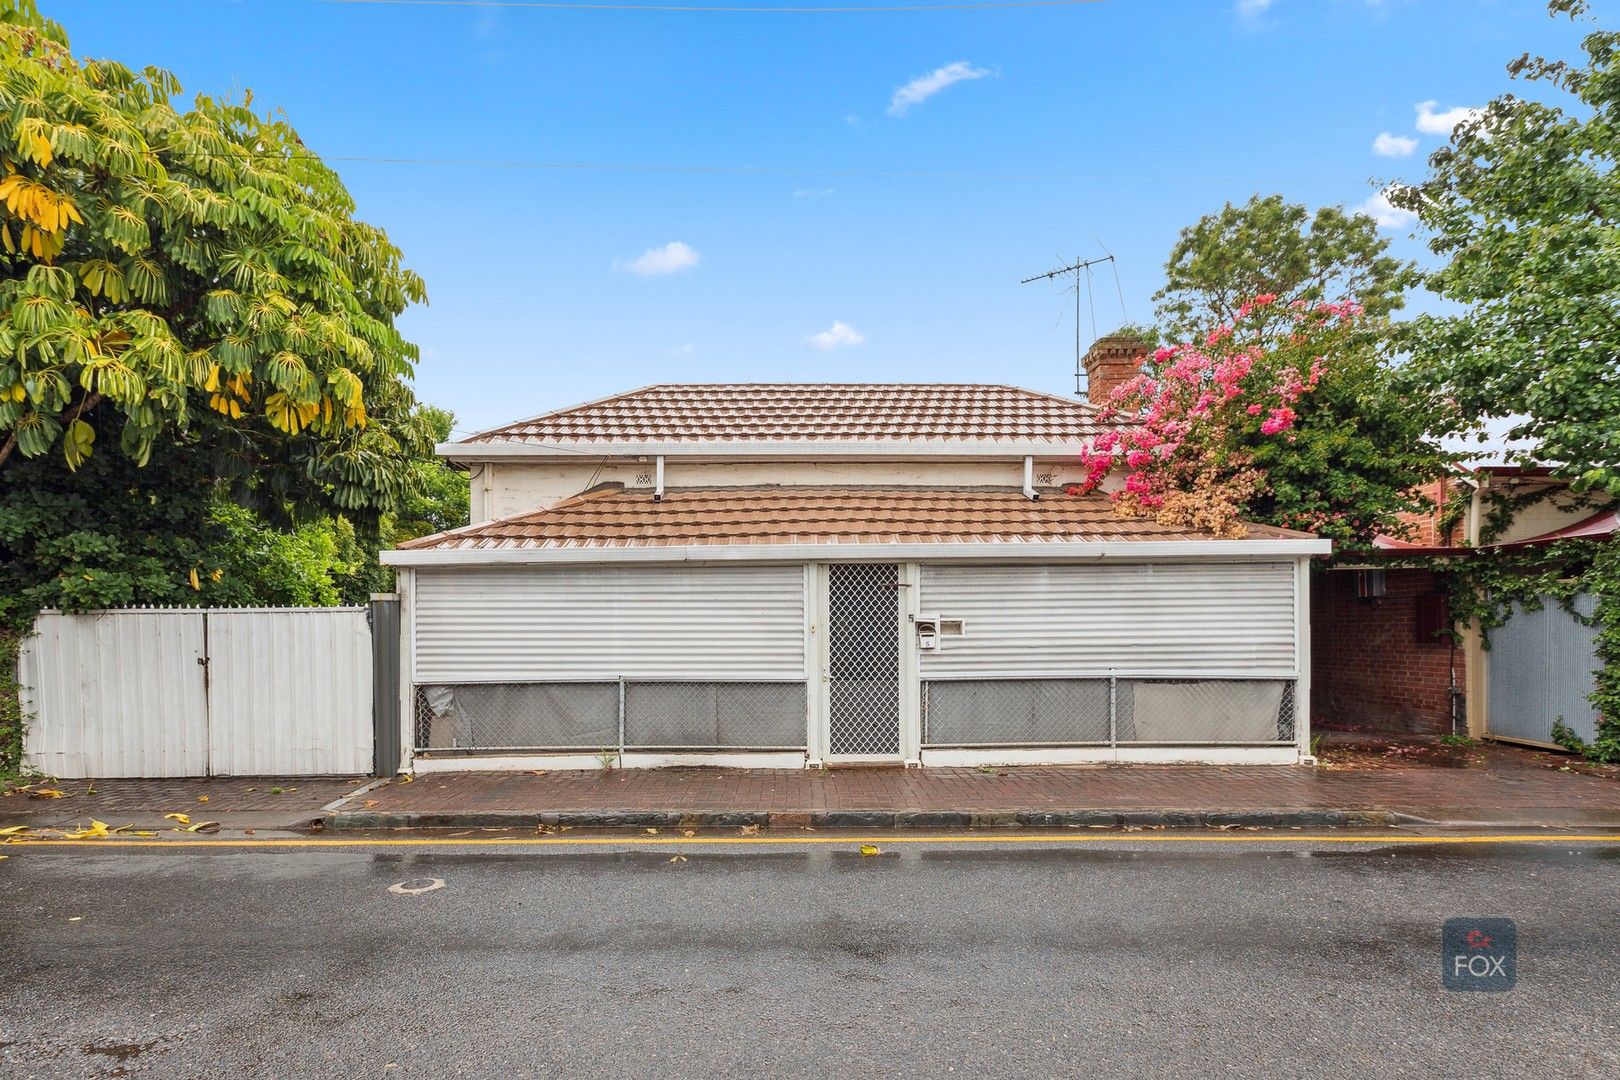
pixel 1368 669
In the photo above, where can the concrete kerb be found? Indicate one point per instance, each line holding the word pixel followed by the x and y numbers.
pixel 367 820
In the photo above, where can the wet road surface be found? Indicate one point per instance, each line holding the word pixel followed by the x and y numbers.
pixel 930 959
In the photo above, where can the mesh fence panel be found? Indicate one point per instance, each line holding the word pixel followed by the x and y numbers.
pixel 1075 712
pixel 681 715
pixel 512 716
pixel 1220 711
pixel 1015 712
pixel 585 716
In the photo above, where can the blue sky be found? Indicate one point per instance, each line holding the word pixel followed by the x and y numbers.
pixel 1114 123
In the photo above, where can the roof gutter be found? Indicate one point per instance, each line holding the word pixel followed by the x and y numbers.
pixel 995 551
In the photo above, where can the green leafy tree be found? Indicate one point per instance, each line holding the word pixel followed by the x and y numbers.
pixel 193 277
pixel 1524 207
pixel 1271 247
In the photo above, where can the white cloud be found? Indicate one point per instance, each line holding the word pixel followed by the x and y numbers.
pixel 1387 145
pixel 1388 216
pixel 655 262
pixel 923 87
pixel 1440 123
pixel 1250 9
pixel 836 336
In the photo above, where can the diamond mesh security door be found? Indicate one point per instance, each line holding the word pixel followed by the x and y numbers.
pixel 863 660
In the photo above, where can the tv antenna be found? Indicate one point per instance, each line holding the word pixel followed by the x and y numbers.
pixel 1080 266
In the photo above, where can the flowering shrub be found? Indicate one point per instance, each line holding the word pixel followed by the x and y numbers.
pixel 1207 419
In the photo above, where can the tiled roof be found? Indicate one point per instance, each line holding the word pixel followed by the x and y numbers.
pixel 823 412
pixel 611 517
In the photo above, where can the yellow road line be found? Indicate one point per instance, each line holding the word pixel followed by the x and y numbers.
pixel 681 841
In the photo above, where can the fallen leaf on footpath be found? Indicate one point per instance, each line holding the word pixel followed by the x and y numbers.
pixel 652 832
pixel 369 803
pixel 48 793
pixel 871 849
pixel 688 832
pixel 204 826
pixel 750 830
pixel 406 778
pixel 184 819
pixel 202 798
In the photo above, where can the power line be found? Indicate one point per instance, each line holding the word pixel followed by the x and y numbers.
pixel 682 9
pixel 751 170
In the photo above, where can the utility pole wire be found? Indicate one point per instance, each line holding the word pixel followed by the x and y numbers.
pixel 699 9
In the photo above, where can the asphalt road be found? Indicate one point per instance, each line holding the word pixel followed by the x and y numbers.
pixel 927 960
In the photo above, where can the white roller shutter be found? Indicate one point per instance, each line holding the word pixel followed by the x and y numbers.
pixel 1167 619
pixel 587 623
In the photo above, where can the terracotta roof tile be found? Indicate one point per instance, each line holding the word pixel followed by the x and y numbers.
pixel 612 517
pixel 792 412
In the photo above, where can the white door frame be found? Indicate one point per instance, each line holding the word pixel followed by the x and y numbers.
pixel 819 740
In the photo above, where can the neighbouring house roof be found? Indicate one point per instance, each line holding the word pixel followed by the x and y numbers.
pixel 1603 525
pixel 613 518
pixel 702 415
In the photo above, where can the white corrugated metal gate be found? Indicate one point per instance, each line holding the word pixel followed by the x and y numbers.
pixel 194 692
pixel 1542 668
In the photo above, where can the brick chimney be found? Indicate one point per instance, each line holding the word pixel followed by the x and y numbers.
pixel 1111 361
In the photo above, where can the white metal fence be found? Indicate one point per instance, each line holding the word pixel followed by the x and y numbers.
pixel 1542 669
pixel 194 692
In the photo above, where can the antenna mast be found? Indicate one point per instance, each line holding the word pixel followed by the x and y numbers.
pixel 1080 266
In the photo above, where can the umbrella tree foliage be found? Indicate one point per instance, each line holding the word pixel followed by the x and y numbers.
pixel 191 278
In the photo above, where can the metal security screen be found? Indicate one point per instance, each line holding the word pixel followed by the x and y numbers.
pixel 863 659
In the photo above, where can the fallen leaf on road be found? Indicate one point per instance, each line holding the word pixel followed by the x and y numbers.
pixel 871 849
pixel 184 819
pixel 677 858
pixel 96 831
pixel 3 857
pixel 688 832
pixel 202 798
pixel 652 832
pixel 13 830
pixel 204 826
pixel 248 832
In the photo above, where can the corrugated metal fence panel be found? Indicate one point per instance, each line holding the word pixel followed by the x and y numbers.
pixel 117 693
pixel 289 692
pixel 1069 620
pixel 534 624
pixel 1542 667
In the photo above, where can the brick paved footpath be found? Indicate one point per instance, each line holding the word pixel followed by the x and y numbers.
pixel 1510 787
